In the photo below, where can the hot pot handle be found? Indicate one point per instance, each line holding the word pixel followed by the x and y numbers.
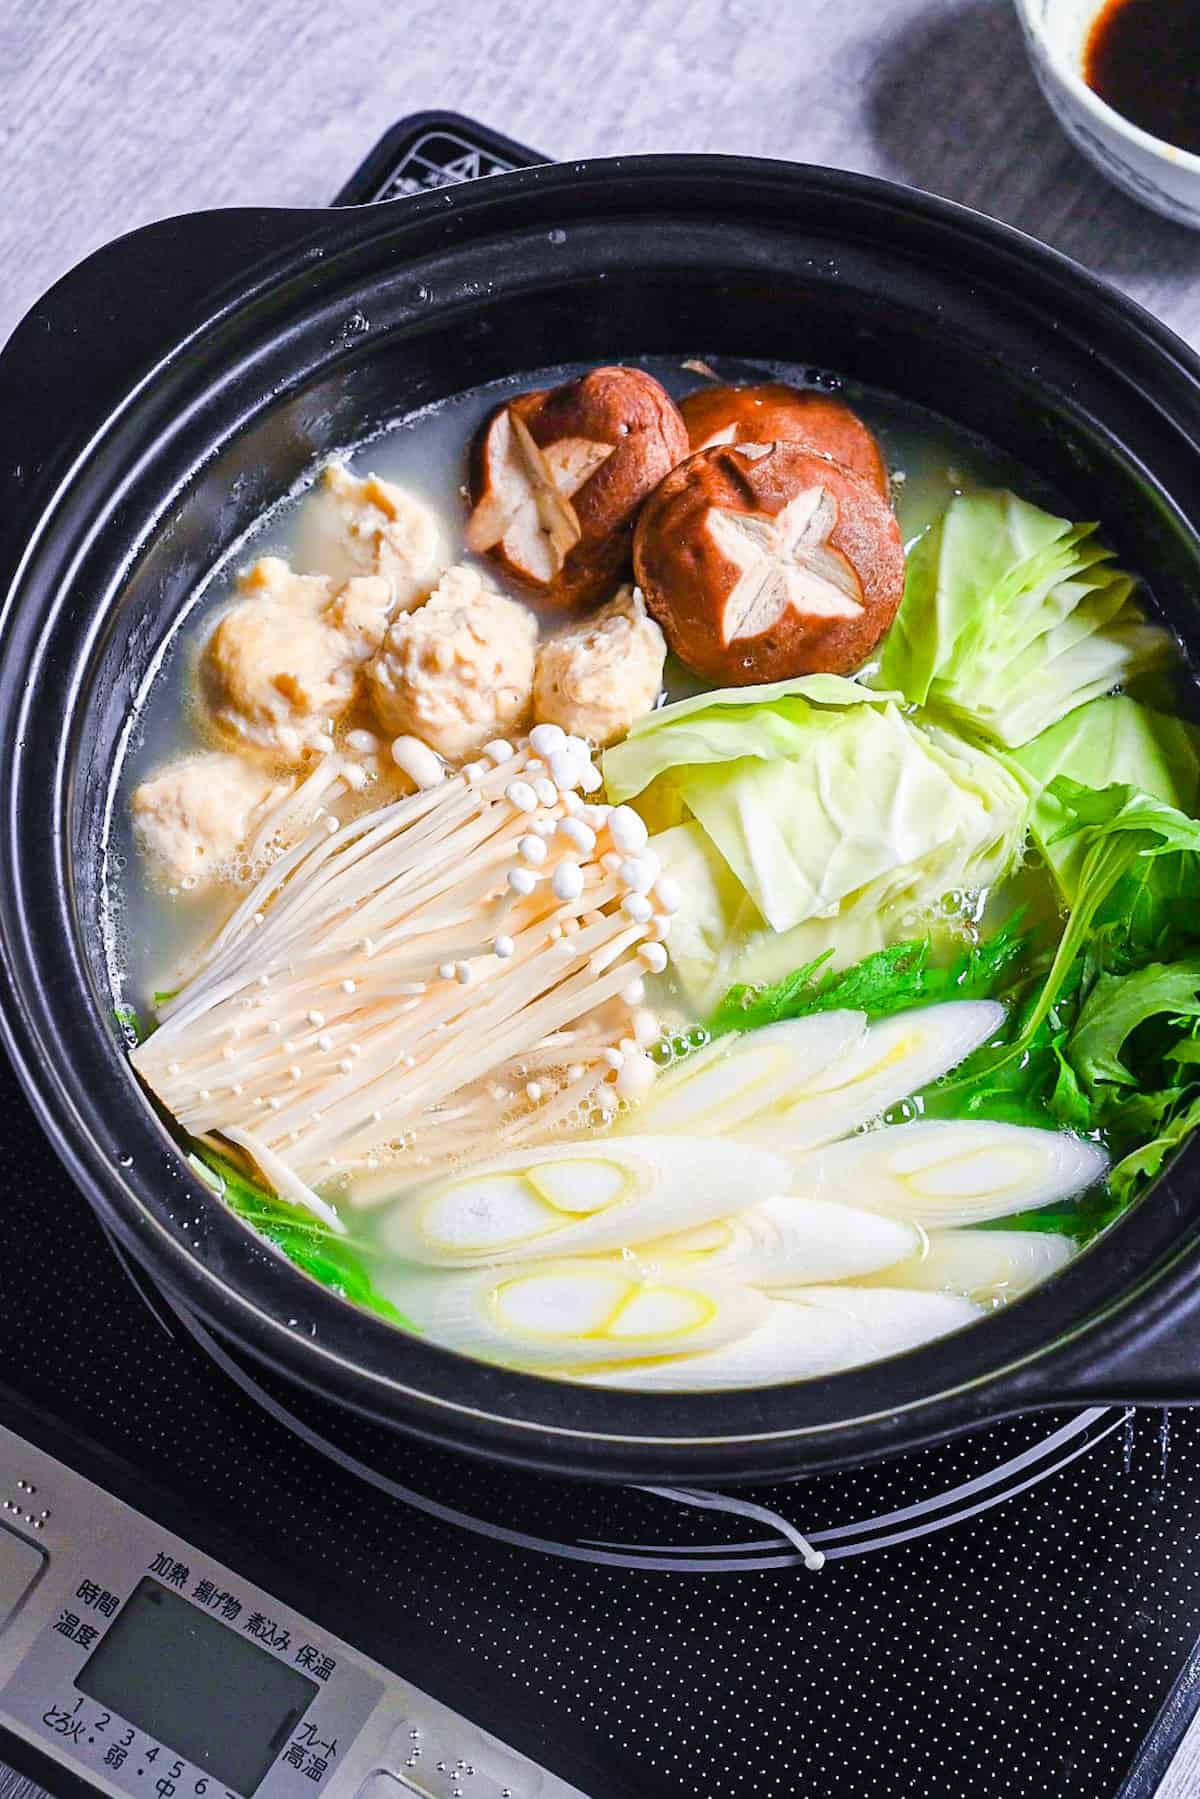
pixel 429 150
pixel 92 337
pixel 1146 1353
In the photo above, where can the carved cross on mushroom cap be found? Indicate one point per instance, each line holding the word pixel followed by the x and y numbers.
pixel 528 507
pixel 784 563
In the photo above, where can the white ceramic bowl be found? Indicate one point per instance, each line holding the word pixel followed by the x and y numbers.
pixel 1158 174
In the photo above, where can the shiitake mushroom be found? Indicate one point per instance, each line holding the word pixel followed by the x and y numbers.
pixel 558 476
pixel 772 412
pixel 765 561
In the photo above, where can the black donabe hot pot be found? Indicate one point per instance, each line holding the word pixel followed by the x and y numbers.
pixel 175 384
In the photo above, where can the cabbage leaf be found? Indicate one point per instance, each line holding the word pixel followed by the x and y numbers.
pixel 869 810
pixel 1012 618
pixel 719 937
pixel 768 720
pixel 1109 741
pixel 811 826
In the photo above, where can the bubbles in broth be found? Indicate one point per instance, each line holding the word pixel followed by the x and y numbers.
pixel 583 1013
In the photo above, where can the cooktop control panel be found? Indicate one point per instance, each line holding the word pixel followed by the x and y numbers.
pixel 153 1671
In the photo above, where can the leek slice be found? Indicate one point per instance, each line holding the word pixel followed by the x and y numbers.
pixel 785 1241
pixel 565 1314
pixel 988 1267
pixel 893 1059
pixel 809 1331
pixel 576 1198
pixel 942 1172
pixel 737 1078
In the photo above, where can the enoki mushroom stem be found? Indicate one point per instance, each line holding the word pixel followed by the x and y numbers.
pixel 408 986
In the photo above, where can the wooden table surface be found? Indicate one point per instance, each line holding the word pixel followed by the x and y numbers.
pixel 115 113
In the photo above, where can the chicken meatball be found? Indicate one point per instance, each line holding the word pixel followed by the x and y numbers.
pixel 193 818
pixel 597 677
pixel 370 527
pixel 458 670
pixel 285 663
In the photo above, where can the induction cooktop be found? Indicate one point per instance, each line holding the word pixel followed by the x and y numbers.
pixel 213 1584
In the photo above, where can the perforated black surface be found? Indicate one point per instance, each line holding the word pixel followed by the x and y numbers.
pixel 1024 1651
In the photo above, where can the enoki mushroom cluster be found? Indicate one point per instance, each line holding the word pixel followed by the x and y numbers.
pixel 433 979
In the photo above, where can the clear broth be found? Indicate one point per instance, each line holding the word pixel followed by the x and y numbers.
pixel 151 930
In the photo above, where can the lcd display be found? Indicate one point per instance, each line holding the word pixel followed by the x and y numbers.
pixel 196 1686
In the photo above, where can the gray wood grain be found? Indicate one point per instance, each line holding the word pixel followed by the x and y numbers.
pixel 114 112
pixel 1182 1778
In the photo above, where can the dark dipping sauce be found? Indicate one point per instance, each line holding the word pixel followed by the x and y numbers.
pixel 1143 58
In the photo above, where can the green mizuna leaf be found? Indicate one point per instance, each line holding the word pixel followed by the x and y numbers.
pixel 1118 1004
pixel 1123 830
pixel 335 1261
pixel 1103 1039
pixel 1143 1163
pixel 892 980
pixel 130 1021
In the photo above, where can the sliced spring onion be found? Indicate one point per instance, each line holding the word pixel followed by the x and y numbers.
pixel 563 1314
pixel 784 1241
pixel 943 1172
pixel 892 1059
pixel 738 1078
pixel 988 1267
pixel 808 1331
pixel 577 1198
